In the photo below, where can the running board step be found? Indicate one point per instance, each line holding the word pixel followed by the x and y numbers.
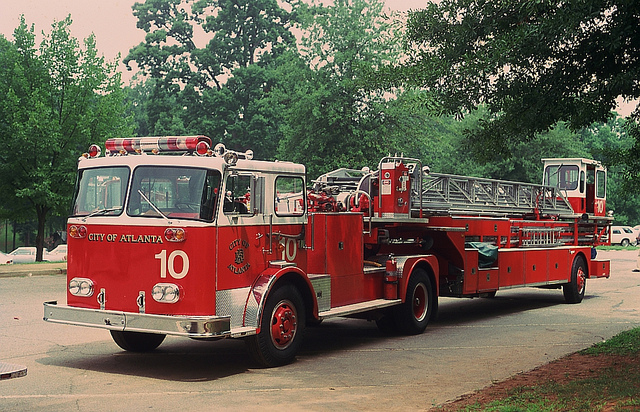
pixel 358 307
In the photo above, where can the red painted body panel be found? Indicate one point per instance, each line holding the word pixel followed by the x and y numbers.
pixel 338 251
pixel 123 260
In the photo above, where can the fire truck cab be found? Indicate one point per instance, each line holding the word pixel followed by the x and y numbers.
pixel 170 236
pixel 582 181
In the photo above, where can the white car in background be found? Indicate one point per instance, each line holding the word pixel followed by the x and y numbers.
pixel 58 254
pixel 623 235
pixel 24 254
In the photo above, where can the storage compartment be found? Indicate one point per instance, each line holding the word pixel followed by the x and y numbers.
pixel 600 269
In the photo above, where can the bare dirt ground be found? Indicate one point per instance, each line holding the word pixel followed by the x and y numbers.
pixel 569 368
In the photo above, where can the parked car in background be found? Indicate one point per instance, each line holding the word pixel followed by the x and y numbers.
pixel 5 259
pixel 58 254
pixel 623 235
pixel 24 254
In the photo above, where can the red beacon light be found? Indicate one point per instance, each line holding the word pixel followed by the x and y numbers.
pixel 94 151
pixel 141 145
pixel 202 148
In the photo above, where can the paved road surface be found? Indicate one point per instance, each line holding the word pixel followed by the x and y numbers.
pixel 345 364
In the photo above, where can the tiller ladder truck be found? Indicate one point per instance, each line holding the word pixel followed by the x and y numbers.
pixel 168 236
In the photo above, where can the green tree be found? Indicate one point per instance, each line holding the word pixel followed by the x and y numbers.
pixel 331 119
pixel 213 88
pixel 532 63
pixel 57 99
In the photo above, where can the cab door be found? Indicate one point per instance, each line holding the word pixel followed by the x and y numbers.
pixel 262 219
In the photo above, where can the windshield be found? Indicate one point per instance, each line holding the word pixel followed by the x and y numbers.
pixel 562 176
pixel 179 192
pixel 100 191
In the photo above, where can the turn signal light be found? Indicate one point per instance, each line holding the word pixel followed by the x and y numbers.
pixel 78 232
pixel 175 234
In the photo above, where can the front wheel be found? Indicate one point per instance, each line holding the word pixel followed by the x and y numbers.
pixel 137 341
pixel 412 317
pixel 281 328
pixel 574 290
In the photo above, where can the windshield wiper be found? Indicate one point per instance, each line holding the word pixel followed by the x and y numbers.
pixel 101 212
pixel 152 205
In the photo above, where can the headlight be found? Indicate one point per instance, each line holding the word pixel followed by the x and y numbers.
pixel 81 287
pixel 166 293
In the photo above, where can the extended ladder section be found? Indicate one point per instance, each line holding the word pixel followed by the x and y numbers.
pixel 463 195
pixel 437 194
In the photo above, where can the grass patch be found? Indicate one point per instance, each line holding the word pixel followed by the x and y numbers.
pixel 624 343
pixel 617 247
pixel 613 388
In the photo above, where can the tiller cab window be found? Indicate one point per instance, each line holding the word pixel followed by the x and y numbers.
pixel 178 192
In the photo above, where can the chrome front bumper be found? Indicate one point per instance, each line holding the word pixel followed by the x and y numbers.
pixel 189 326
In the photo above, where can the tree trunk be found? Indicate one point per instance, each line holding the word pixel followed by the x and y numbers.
pixel 42 218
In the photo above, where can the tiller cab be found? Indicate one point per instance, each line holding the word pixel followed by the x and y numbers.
pixel 168 236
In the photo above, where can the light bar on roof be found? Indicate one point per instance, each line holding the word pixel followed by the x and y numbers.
pixel 158 144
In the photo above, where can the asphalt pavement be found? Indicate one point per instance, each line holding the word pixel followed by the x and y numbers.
pixel 344 364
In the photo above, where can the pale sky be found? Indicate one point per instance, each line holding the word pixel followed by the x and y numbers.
pixel 111 21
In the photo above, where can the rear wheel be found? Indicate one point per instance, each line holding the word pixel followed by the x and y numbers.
pixel 137 341
pixel 281 328
pixel 412 317
pixel 574 290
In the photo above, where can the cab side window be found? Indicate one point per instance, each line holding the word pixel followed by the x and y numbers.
pixel 289 196
pixel 237 196
pixel 601 186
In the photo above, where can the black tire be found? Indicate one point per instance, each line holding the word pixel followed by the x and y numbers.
pixel 625 242
pixel 281 328
pixel 412 316
pixel 137 341
pixel 574 290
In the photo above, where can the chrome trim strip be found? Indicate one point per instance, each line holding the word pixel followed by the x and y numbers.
pixel 189 326
pixel 232 303
pixel 534 285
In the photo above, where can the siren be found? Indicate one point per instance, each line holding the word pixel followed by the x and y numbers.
pixel 230 156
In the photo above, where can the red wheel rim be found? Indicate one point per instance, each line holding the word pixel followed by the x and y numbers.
pixel 283 324
pixel 581 278
pixel 420 302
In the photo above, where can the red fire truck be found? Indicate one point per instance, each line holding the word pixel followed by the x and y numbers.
pixel 170 236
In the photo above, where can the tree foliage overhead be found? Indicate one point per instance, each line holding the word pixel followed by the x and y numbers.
pixel 209 63
pixel 57 99
pixel 331 119
pixel 533 63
